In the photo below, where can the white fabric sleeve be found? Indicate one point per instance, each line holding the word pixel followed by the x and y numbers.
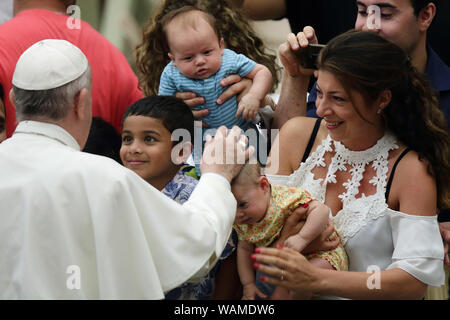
pixel 161 243
pixel 219 176
pixel 277 179
pixel 418 247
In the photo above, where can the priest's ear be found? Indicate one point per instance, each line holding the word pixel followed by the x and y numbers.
pixel 181 152
pixel 83 104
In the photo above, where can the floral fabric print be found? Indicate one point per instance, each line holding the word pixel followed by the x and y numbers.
pixel 180 189
pixel 283 201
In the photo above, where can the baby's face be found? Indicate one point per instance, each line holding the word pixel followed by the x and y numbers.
pixel 197 53
pixel 252 203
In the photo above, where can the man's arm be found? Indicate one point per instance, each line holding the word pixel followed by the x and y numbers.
pixel 295 79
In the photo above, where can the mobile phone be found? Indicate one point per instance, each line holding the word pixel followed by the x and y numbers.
pixel 308 55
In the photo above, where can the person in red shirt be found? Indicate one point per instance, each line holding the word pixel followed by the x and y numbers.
pixel 115 86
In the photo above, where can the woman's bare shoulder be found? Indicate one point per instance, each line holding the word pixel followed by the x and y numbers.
pixel 290 144
pixel 298 128
pixel 414 186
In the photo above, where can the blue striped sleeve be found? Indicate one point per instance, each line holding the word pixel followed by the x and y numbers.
pixel 244 65
pixel 236 63
pixel 167 85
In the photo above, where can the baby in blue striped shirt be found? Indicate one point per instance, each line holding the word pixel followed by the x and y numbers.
pixel 199 62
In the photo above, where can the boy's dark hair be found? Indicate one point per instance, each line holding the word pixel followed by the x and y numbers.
pixel 2 93
pixel 173 113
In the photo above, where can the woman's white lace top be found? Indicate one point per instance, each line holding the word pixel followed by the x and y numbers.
pixel 373 235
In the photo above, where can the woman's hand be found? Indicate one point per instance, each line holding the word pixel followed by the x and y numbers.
pixel 294 223
pixel 322 243
pixel 238 87
pixel 288 52
pixel 191 99
pixel 287 268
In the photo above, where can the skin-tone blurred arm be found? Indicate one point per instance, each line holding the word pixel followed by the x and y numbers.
pixel 295 79
pixel 260 9
pixel 246 271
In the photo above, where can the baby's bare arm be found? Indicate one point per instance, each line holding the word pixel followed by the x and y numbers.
pixel 246 271
pixel 244 262
pixel 316 223
pixel 251 102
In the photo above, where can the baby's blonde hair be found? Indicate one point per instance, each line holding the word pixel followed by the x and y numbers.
pixel 249 174
pixel 189 16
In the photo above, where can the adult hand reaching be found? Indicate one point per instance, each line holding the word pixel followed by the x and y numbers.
pixel 226 153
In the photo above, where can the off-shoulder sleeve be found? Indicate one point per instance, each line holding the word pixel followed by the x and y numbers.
pixel 277 179
pixel 418 247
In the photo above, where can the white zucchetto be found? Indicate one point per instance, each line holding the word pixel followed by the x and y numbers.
pixel 49 64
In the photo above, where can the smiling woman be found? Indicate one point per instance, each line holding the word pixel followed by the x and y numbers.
pixel 379 118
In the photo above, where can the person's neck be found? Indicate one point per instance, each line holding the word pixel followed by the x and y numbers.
pixel 50 5
pixel 419 56
pixel 370 139
pixel 161 182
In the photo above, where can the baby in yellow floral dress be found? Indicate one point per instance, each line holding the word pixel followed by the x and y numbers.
pixel 262 210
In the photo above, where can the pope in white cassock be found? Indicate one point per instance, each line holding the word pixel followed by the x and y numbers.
pixel 79 226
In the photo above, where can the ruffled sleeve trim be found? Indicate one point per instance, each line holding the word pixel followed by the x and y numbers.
pixel 418 247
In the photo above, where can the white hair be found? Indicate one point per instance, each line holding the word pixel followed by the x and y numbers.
pixel 52 104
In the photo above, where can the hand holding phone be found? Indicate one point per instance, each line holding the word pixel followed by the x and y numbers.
pixel 308 55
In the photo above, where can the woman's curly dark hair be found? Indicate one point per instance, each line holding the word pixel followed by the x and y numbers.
pixel 370 64
pixel 151 54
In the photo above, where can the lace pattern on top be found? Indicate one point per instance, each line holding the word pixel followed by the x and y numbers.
pixel 355 212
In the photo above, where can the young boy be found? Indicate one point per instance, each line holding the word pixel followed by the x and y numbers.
pixel 200 62
pixel 148 149
pixel 262 210
pixel 147 146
